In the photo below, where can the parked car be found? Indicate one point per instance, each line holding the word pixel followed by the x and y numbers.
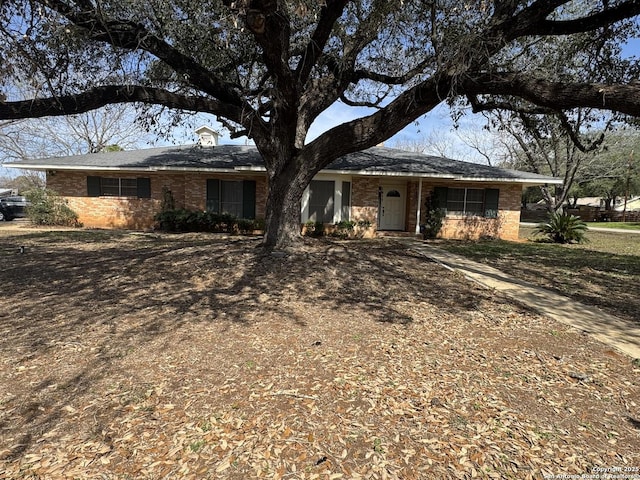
pixel 13 207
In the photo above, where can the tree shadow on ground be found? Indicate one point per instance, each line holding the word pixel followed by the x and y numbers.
pixel 124 290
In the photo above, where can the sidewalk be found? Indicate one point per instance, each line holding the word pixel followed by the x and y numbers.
pixel 593 229
pixel 606 328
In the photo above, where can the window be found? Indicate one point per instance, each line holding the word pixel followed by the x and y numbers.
pixel 118 187
pixel 327 201
pixel 231 198
pixel 467 201
pixel 321 204
pixel 235 197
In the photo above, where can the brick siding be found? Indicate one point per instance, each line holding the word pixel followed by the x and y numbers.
pixel 506 226
pixel 189 191
pixel 364 200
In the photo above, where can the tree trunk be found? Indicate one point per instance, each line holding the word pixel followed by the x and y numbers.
pixel 282 222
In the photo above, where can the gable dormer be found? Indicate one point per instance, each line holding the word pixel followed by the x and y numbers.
pixel 207 137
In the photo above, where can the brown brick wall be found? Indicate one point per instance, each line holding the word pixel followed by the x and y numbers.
pixel 364 200
pixel 412 205
pixel 506 226
pixel 188 190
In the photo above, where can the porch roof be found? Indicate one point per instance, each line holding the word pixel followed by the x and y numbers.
pixel 376 161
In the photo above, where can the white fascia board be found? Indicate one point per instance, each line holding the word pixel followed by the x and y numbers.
pixel 443 176
pixel 369 173
pixel 119 169
pixel 524 181
pixel 27 167
pixel 250 168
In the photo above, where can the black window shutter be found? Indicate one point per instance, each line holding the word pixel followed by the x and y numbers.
pixel 93 186
pixel 439 199
pixel 491 196
pixel 144 187
pixel 249 199
pixel 213 195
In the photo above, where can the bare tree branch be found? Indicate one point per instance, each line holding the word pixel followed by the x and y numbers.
pixel 328 16
pixel 100 96
pixel 362 74
pixel 591 22
pixel 622 98
pixel 564 120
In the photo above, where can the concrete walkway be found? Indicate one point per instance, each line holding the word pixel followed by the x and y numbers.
pixel 593 229
pixel 608 329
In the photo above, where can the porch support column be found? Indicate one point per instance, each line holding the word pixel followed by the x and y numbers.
pixel 418 210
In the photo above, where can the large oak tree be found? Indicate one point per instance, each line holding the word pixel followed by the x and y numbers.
pixel 268 68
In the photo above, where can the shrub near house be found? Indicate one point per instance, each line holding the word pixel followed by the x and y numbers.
pixel 48 208
pixel 200 221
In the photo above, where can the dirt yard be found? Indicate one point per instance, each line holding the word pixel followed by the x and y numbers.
pixel 143 356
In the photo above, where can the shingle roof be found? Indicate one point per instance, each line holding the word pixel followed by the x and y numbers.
pixel 373 161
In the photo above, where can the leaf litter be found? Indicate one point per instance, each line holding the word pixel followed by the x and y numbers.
pixel 199 356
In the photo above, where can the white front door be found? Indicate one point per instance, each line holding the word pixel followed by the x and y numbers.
pixel 392 207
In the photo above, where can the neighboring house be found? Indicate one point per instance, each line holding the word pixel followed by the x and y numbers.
pixel 593 209
pixel 633 204
pixel 388 188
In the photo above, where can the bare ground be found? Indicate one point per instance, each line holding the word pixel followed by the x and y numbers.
pixel 152 356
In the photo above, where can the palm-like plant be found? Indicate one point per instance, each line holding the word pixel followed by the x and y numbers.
pixel 563 228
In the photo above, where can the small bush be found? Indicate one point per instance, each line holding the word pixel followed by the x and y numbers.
pixel 183 220
pixel 433 223
pixel 562 228
pixel 350 229
pixel 48 208
pixel 313 229
pixel 344 229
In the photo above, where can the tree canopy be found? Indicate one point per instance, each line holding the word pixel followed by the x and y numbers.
pixel 268 68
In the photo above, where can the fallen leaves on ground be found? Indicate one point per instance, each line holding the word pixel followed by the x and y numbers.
pixel 199 356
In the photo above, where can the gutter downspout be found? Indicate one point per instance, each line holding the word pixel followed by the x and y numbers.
pixel 418 210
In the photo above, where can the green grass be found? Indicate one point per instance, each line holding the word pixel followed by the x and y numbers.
pixel 604 272
pixel 622 225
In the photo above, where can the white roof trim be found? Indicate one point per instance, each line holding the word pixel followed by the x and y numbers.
pixel 532 181
pixel 250 168
pixel 119 169
pixel 206 128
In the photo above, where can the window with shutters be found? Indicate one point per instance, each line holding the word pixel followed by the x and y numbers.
pixel 118 187
pixel 234 197
pixel 480 202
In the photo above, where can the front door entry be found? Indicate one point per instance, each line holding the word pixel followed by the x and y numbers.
pixel 392 207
